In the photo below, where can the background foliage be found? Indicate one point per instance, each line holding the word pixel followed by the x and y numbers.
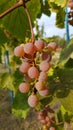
pixel 60 77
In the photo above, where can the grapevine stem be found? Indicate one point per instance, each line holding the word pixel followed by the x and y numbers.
pixel 60 123
pixel 30 22
pixel 18 4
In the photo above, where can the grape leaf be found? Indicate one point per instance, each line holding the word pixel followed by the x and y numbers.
pixel 44 9
pixel 54 7
pixel 17 22
pixel 20 105
pixel 61 3
pixel 66 54
pixel 0 54
pixel 60 18
pixel 17 78
pixel 7 82
pixel 61 87
pixel 3 38
pixel 46 100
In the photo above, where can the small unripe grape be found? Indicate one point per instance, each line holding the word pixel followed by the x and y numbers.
pixel 43 122
pixel 46 56
pixel 52 128
pixel 33 72
pixel 41 115
pixel 39 45
pixel 29 48
pixel 39 86
pixel 24 88
pixel 44 66
pixel 52 46
pixel 24 67
pixel 33 100
pixel 42 76
pixel 44 92
pixel 19 51
pixel 48 124
pixel 47 119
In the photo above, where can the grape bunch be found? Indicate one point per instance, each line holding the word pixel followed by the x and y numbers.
pixel 46 119
pixel 35 66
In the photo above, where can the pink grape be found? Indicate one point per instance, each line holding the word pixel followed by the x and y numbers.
pixel 42 76
pixel 44 66
pixel 24 87
pixel 39 45
pixel 33 72
pixel 33 100
pixel 29 48
pixel 46 56
pixel 19 51
pixel 39 86
pixel 44 92
pixel 43 122
pixel 24 67
pixel 52 128
pixel 48 124
pixel 47 119
pixel 52 46
pixel 41 115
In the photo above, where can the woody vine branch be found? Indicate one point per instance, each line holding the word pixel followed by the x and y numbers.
pixel 17 5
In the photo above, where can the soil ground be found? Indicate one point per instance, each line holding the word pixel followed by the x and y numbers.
pixel 9 122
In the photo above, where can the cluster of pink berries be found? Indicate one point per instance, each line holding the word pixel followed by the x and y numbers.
pixel 35 65
pixel 45 119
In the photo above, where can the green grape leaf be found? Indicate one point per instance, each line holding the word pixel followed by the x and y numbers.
pixel 61 127
pixel 54 7
pixel 44 9
pixel 14 61
pixel 16 22
pixel 61 3
pixel 0 54
pixel 20 105
pixel 17 78
pixel 7 82
pixel 69 63
pixel 67 55
pixel 61 87
pixel 46 100
pixel 3 38
pixel 60 18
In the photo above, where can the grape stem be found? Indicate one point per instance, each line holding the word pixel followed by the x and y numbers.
pixel 30 22
pixel 19 4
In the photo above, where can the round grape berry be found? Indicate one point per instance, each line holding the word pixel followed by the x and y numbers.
pixel 46 56
pixel 29 48
pixel 52 128
pixel 33 72
pixel 19 51
pixel 44 66
pixel 42 76
pixel 52 46
pixel 44 92
pixel 24 88
pixel 33 100
pixel 39 86
pixel 24 67
pixel 39 45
